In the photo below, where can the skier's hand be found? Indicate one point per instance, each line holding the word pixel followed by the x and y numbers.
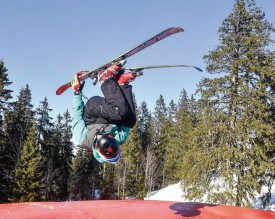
pixel 76 85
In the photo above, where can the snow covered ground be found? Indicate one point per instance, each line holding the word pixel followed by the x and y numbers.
pixel 175 193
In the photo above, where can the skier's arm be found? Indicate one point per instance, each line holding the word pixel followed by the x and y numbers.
pixel 121 133
pixel 78 124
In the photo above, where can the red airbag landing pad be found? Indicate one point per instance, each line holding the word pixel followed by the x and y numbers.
pixel 131 209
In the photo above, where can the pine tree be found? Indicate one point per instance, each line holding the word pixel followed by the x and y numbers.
pixel 51 163
pixel 167 143
pixel 107 185
pixel 5 96
pixel 28 174
pixel 52 141
pixel 59 159
pixel 130 173
pixel 43 121
pixel 160 138
pixel 85 179
pixel 234 140
pixel 160 116
pixel 46 142
pixel 181 125
pixel 144 118
pixel 66 156
pixel 22 115
pixel 17 121
pixel 146 137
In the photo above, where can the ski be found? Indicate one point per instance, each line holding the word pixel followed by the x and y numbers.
pixel 124 56
pixel 159 66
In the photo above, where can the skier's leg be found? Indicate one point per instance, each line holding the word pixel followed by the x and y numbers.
pixel 130 119
pixel 91 112
pixel 113 107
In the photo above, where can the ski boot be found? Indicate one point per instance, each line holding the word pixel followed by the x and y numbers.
pixel 111 71
pixel 128 77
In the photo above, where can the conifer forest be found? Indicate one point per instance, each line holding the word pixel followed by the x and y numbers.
pixel 219 141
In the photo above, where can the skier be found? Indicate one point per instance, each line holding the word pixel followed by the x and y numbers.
pixel 103 124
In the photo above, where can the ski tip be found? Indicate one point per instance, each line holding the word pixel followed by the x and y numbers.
pixel 176 29
pixel 198 69
pixel 58 92
pixel 62 88
pixel 179 29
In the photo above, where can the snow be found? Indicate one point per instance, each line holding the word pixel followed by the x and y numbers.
pixel 271 205
pixel 175 193
pixel 169 193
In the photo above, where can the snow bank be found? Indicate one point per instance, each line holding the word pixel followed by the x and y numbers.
pixel 175 193
pixel 169 193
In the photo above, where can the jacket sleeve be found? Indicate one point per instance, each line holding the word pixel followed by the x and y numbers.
pixel 78 125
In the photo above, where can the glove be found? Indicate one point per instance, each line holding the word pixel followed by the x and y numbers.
pixel 76 85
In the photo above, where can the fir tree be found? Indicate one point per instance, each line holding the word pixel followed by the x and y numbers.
pixel 144 118
pixel 146 136
pixel 28 172
pixel 85 179
pixel 18 120
pixel 46 141
pixel 107 185
pixel 167 144
pixel 51 152
pixel 160 116
pixel 234 140
pixel 179 136
pixel 5 96
pixel 59 159
pixel 43 121
pixel 130 170
pixel 160 138
pixel 65 156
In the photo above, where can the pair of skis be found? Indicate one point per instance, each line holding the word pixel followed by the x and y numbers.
pixel 93 73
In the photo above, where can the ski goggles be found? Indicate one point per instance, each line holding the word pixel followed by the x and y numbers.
pixel 113 160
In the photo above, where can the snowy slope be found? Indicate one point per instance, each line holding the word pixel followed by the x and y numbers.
pixel 175 193
pixel 169 193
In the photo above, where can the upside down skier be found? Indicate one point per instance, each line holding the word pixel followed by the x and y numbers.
pixel 104 123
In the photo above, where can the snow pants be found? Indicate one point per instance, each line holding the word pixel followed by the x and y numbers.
pixel 116 107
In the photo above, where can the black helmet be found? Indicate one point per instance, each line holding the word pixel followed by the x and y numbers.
pixel 107 145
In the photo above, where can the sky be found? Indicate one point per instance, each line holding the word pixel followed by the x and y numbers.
pixel 45 43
